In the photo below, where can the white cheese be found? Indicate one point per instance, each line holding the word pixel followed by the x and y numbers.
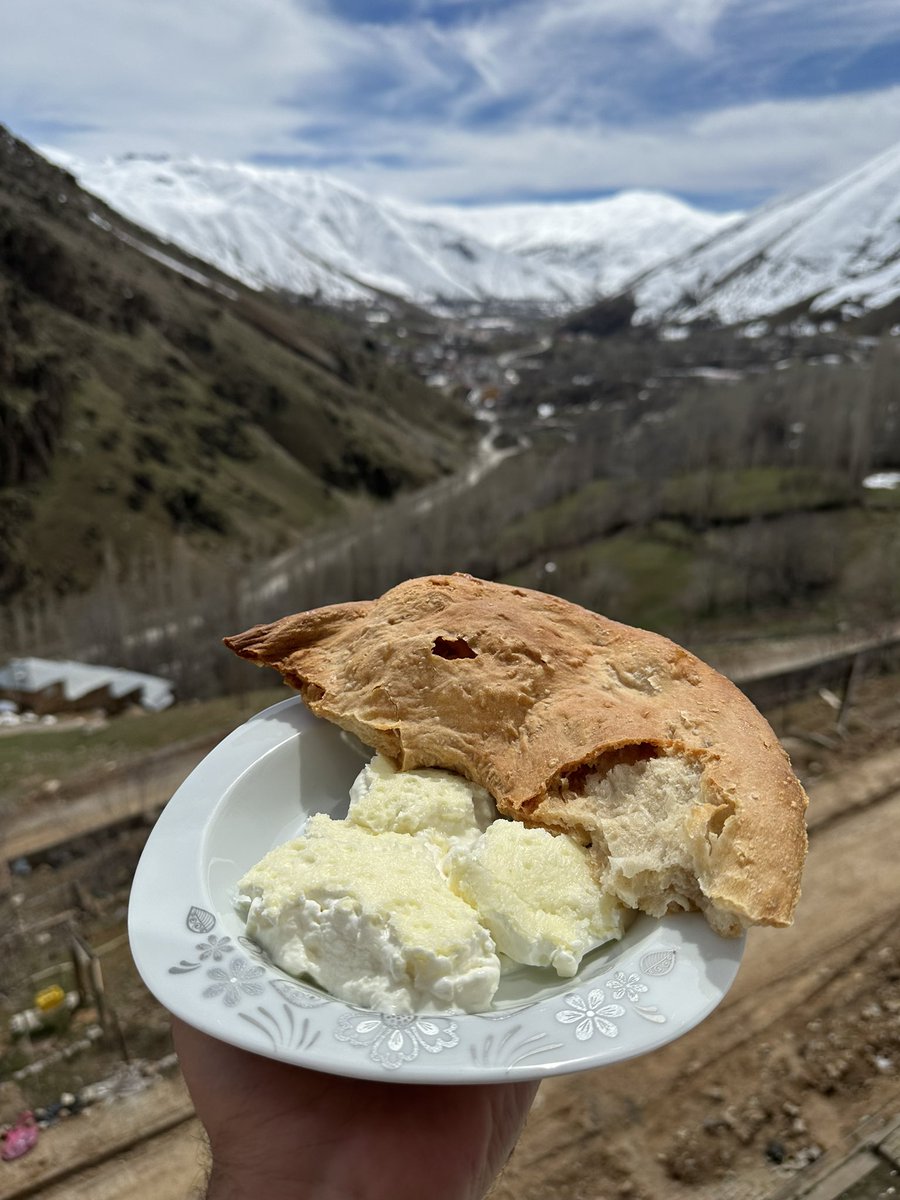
pixel 439 805
pixel 410 903
pixel 537 895
pixel 371 919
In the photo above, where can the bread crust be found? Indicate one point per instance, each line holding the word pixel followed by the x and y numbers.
pixel 523 693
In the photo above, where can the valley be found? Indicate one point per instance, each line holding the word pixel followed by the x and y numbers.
pixel 170 429
pixel 706 486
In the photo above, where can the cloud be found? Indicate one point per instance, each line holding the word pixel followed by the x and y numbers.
pixel 167 75
pixel 743 153
pixel 686 24
pixel 440 99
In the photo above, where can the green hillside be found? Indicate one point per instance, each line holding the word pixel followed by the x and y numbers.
pixel 147 400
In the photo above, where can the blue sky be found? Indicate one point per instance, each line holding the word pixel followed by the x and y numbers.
pixel 724 103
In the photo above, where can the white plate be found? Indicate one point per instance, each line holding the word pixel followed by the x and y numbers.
pixel 254 791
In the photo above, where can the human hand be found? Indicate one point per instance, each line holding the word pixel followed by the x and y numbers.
pixel 286 1133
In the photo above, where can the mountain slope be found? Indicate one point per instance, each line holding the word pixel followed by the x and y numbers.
pixel 147 400
pixel 607 242
pixel 309 234
pixel 835 245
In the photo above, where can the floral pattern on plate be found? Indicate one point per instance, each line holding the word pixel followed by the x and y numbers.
pixel 393 1041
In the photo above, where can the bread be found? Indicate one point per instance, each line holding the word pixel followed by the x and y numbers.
pixel 572 722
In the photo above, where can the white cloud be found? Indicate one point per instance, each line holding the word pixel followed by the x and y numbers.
pixel 233 79
pixel 772 146
pixel 791 144
pixel 687 24
pixel 166 75
pixel 806 26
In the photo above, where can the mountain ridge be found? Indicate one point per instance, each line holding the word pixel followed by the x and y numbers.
pixel 610 241
pixel 307 233
pixel 830 248
pixel 833 249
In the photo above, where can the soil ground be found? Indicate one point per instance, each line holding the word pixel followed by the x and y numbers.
pixel 804 1050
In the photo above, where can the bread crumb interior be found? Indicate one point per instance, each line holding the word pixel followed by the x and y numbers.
pixel 639 818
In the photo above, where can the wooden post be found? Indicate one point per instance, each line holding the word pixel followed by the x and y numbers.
pixel 853 676
pixel 81 960
pixel 99 990
pixel 90 976
pixel 5 878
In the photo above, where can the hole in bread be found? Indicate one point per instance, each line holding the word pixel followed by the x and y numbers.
pixel 452 648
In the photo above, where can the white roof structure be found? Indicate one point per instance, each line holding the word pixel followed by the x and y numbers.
pixel 32 675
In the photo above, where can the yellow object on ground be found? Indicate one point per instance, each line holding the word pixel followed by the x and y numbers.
pixel 49 998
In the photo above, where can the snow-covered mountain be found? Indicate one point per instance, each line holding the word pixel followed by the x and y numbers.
pixel 308 233
pixel 608 242
pixel 312 234
pixel 837 245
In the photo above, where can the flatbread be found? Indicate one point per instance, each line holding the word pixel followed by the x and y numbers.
pixel 564 716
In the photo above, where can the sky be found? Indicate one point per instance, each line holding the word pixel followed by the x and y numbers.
pixel 725 104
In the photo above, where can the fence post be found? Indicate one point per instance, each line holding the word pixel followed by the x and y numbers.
pixel 90 975
pixel 81 960
pixel 853 677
